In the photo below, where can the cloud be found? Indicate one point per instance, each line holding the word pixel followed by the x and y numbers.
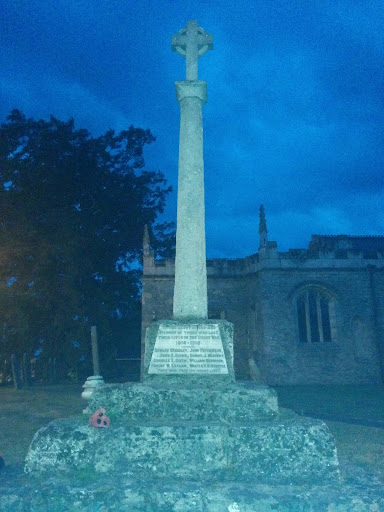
pixel 63 99
pixel 295 110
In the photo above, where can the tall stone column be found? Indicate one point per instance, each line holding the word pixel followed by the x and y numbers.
pixel 190 349
pixel 190 293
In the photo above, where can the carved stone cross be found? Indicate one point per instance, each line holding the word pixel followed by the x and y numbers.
pixel 192 42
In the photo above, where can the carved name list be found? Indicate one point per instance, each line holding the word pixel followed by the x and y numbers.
pixel 188 349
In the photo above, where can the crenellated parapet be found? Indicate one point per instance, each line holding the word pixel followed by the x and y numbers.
pixel 339 251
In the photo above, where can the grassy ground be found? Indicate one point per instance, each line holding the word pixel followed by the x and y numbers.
pixel 355 402
pixel 24 411
pixel 362 445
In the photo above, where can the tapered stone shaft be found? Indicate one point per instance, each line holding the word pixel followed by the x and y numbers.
pixel 190 294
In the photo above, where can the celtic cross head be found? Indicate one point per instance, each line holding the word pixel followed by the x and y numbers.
pixel 192 42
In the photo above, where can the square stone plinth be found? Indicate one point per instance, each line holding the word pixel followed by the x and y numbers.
pixel 191 352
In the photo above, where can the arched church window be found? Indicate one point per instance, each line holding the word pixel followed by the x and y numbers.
pixel 315 316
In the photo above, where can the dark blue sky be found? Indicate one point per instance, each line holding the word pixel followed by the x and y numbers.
pixel 295 112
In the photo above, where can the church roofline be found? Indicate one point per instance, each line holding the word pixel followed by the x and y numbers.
pixel 348 236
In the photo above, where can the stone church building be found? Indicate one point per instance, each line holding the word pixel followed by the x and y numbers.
pixel 306 316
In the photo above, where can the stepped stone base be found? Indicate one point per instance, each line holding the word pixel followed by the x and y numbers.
pixel 104 492
pixel 288 449
pixel 138 403
pixel 205 448
pixel 176 449
pixel 235 431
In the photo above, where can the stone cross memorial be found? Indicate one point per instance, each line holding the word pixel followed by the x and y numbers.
pixel 190 344
pixel 190 295
pixel 189 436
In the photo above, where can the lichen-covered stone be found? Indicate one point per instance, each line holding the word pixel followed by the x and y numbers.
pixel 285 449
pixel 137 403
pixel 118 493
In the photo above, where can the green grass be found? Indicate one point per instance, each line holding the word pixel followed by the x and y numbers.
pixel 358 402
pixel 24 411
pixel 361 445
pixel 364 446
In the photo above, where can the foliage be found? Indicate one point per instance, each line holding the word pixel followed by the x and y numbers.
pixel 72 214
pixel 163 241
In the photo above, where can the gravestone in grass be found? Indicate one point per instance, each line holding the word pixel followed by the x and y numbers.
pixel 17 382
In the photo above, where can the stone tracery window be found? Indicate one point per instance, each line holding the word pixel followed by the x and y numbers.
pixel 315 316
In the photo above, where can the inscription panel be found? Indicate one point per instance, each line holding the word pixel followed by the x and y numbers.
pixel 188 349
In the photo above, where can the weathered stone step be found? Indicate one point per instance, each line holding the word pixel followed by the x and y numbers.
pixel 139 403
pixel 90 492
pixel 289 449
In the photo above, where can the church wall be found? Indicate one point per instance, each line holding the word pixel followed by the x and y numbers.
pixel 378 311
pixel 351 358
pixel 259 296
pixel 231 297
pixel 227 297
pixel 157 301
pixel 255 323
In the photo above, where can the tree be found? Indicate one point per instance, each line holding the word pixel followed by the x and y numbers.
pixel 72 214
